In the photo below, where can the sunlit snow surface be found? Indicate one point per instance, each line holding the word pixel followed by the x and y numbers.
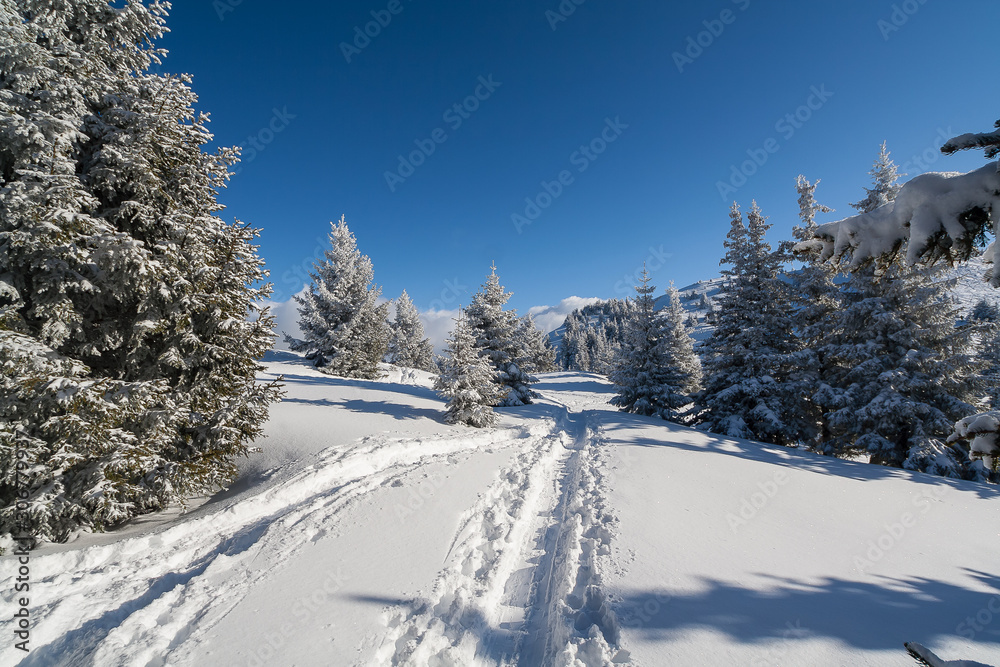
pixel 369 532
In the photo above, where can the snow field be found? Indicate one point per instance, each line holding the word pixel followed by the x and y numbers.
pixel 835 562
pixel 572 535
pixel 129 602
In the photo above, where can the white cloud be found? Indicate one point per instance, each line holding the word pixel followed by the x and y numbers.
pixel 286 315
pixel 548 318
pixel 437 323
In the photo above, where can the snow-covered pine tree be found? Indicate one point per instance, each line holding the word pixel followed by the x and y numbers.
pixel 984 312
pixel 345 329
pixel 593 335
pixel 641 366
pixel 748 359
pixel 600 352
pixel 682 377
pixel 537 354
pixel 833 344
pixel 815 297
pixel 407 345
pixel 569 347
pixel 496 337
pixel 130 316
pixel 582 360
pixel 468 379
pixel 898 373
pixel 985 318
pixel 885 185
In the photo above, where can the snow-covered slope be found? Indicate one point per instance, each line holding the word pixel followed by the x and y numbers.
pixel 368 532
pixel 696 299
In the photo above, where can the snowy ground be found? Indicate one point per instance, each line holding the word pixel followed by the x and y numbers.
pixel 368 532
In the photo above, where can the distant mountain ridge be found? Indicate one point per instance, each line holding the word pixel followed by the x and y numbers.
pixel 698 298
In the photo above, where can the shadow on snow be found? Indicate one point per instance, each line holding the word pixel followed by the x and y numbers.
pixel 868 615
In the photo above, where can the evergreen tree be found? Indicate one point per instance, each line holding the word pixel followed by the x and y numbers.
pixel 600 352
pixel 569 347
pixel 593 335
pixel 496 337
pixel 896 391
pixel 537 354
pixel 815 297
pixel 985 319
pixel 682 376
pixel 884 183
pixel 468 380
pixel 830 343
pixel 899 373
pixel 984 312
pixel 748 359
pixel 641 368
pixel 407 345
pixel 345 329
pixel 130 313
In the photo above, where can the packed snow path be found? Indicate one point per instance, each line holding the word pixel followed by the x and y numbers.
pixel 367 532
pixel 521 585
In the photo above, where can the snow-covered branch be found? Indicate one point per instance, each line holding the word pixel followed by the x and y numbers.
pixel 934 216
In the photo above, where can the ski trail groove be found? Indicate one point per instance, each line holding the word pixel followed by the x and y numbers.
pixel 571 621
pixel 445 629
pixel 521 583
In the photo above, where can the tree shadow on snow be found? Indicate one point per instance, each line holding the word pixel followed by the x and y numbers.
pixel 869 615
pixel 77 646
pixel 395 410
pixel 689 439
pixel 371 385
pixel 589 383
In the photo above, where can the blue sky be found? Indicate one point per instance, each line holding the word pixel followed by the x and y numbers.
pixel 640 137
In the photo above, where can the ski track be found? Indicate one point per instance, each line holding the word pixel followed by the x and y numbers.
pixel 147 595
pixel 521 583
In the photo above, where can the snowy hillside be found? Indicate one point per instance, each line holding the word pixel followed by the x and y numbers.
pixel 695 299
pixel 368 532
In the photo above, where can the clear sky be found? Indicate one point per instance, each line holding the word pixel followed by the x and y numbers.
pixel 619 99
